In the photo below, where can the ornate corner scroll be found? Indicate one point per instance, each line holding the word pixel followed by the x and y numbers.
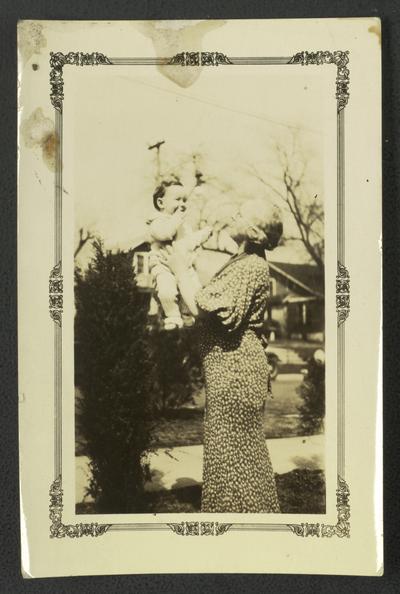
pixel 341 529
pixel 58 61
pixel 342 294
pixel 60 530
pixel 340 59
pixel 199 59
pixel 56 293
pixel 199 528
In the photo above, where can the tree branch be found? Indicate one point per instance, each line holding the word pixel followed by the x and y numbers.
pixel 82 241
pixel 307 215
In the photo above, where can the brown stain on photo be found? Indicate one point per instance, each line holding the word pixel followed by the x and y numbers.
pixel 172 37
pixel 37 131
pixel 376 30
pixel 49 148
pixel 30 39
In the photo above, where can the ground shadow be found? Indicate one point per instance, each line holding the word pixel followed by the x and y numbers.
pixel 301 491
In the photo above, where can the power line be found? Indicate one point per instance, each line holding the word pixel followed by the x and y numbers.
pixel 225 108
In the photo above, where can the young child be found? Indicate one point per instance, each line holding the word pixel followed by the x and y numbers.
pixel 167 227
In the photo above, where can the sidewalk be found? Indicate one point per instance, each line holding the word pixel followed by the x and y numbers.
pixel 182 466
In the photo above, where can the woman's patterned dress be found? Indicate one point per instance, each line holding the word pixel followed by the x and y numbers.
pixel 237 471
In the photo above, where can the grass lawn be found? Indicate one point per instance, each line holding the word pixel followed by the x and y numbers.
pixel 184 426
pixel 299 491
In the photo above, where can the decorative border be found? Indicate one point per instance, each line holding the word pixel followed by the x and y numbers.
pixel 340 59
pixel 199 528
pixel 60 530
pixel 341 529
pixel 56 293
pixel 342 293
pixel 198 59
pixel 58 61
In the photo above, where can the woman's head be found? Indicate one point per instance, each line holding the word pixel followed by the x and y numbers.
pixel 257 222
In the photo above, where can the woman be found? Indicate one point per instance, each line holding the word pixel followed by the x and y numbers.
pixel 237 471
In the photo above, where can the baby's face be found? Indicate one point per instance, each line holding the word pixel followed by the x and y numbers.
pixel 173 200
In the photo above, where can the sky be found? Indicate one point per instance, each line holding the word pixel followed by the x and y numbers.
pixel 231 117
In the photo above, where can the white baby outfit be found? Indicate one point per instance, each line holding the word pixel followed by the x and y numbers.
pixel 166 229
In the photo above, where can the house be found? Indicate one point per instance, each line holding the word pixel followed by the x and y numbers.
pixel 141 249
pixel 296 306
pixel 144 278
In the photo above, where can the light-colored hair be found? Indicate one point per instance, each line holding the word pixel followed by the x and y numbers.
pixel 259 221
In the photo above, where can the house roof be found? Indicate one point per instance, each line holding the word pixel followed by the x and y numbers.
pixel 306 276
pixel 140 243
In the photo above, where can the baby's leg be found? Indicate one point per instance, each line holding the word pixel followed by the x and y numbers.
pixel 187 317
pixel 194 278
pixel 167 292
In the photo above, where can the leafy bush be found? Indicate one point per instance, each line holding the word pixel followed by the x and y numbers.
pixel 312 391
pixel 177 368
pixel 126 375
pixel 113 371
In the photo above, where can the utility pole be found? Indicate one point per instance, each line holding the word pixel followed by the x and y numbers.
pixel 157 146
pixel 197 173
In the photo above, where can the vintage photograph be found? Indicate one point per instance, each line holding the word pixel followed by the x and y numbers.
pixel 199 291
pixel 199 302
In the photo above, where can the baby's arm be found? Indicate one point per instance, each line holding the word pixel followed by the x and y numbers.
pixel 165 228
pixel 196 238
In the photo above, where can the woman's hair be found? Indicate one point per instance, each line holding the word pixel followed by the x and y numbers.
pixel 260 223
pixel 159 192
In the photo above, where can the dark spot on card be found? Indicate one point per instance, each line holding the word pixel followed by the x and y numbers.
pixel 37 131
pixel 49 146
pixel 31 39
pixel 172 37
pixel 35 66
pixel 376 30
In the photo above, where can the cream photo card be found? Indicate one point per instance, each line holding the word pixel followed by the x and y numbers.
pixel 199 296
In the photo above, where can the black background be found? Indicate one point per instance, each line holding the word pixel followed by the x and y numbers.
pixel 10 576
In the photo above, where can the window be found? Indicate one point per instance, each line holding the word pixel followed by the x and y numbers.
pixel 139 263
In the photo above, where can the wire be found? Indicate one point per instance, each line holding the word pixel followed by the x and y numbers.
pixel 225 108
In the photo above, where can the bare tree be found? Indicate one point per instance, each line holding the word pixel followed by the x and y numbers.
pixel 294 190
pixel 82 241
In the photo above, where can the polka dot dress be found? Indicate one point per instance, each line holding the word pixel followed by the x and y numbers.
pixel 237 471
